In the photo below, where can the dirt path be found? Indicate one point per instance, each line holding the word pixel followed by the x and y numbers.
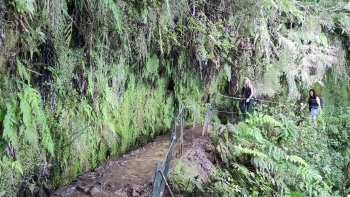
pixel 130 175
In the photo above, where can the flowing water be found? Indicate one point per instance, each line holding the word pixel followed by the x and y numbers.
pixel 131 174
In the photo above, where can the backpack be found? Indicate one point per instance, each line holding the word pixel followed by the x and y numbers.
pixel 321 101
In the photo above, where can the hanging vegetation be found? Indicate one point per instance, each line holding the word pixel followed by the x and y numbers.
pixel 83 81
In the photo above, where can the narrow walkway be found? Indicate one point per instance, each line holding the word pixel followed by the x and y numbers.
pixel 129 175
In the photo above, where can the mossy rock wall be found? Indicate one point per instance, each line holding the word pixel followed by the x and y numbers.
pixel 84 81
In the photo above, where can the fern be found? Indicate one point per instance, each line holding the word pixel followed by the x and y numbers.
pixel 151 69
pixel 220 128
pixel 9 125
pixel 22 71
pixel 47 140
pixel 32 137
pixel 34 99
pixel 241 150
pixel 30 103
pixel 90 84
pixel 265 164
pixel 228 71
pixel 25 110
pixel 296 159
pixel 260 119
pixel 17 165
pixel 288 128
pixel 254 133
pixel 68 33
pixel 242 169
pixel 104 109
pixel 277 153
pixel 308 175
pixel 116 13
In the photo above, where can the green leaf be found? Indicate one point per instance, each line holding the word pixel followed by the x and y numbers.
pixel 22 71
pixel 9 133
pixel 31 137
pixel 16 165
pixel 25 110
pixel 30 7
pixel 3 192
pixel 228 72
pixel 323 39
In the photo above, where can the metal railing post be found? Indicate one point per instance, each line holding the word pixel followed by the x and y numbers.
pixel 182 129
pixel 157 181
pixel 194 120
pixel 168 157
pixel 206 120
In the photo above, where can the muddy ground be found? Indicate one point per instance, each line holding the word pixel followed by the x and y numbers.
pixel 132 174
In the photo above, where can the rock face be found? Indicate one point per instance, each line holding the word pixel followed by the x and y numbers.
pixel 2 14
pixel 197 157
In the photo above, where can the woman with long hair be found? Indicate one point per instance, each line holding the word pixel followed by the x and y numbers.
pixel 314 104
pixel 248 99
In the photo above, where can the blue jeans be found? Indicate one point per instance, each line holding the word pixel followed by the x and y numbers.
pixel 313 112
pixel 244 106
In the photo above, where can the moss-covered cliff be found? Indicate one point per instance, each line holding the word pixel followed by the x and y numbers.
pixel 83 81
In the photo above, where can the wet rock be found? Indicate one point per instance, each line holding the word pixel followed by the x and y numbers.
pixel 82 189
pixel 124 194
pixel 135 194
pixel 93 191
pixel 48 188
pixel 39 192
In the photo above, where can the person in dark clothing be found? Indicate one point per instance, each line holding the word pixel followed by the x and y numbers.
pixel 248 100
pixel 314 104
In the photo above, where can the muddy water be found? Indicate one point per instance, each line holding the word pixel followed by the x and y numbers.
pixel 129 175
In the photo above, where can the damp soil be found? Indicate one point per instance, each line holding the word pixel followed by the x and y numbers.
pixel 132 174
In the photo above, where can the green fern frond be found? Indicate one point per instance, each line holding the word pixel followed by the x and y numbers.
pixel 242 169
pixel 228 71
pixel 219 127
pixel 308 175
pixel 287 129
pixel 260 119
pixel 30 103
pixel 104 109
pixel 17 165
pixel 111 127
pixel 33 98
pixel 241 150
pixel 68 33
pixel 232 128
pixel 151 68
pixel 108 96
pixel 265 164
pixel 241 127
pixel 86 109
pixel 116 13
pixel 31 137
pixel 9 125
pixel 48 143
pixel 277 153
pixel 22 72
pixel 25 110
pixel 296 159
pixel 255 133
pixel 90 84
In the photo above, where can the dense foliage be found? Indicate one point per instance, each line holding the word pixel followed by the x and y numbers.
pixel 83 80
pixel 272 155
